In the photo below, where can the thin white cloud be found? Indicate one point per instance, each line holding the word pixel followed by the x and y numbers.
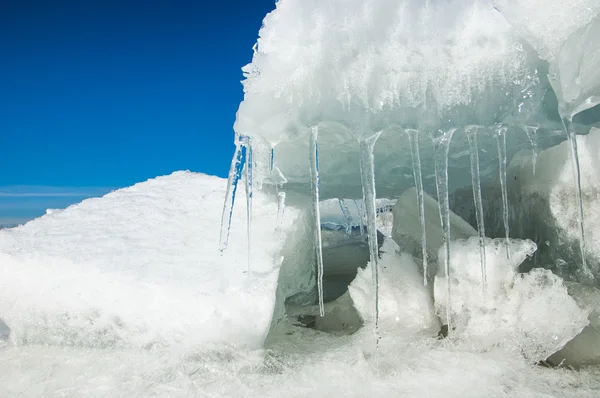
pixel 26 191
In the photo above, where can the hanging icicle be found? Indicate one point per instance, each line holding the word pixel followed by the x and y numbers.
pixel 572 135
pixel 413 137
pixel 360 217
pixel 471 132
pixel 531 132
pixel 235 173
pixel 367 174
pixel 441 147
pixel 314 172
pixel 280 209
pixel 501 141
pixel 347 215
pixel 249 170
pixel 272 160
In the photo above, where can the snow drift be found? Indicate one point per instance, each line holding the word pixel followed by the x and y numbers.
pixel 140 267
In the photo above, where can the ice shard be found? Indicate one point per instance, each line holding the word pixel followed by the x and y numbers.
pixel 471 132
pixel 441 146
pixel 500 131
pixel 413 137
pixel 367 174
pixel 314 172
pixel 235 173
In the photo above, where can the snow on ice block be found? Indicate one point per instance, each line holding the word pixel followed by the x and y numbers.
pixel 405 305
pixel 584 349
pixel 525 314
pixel 406 231
pixel 141 267
pixel 547 201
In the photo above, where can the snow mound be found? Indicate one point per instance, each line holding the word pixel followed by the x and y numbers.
pixel 547 24
pixel 527 314
pixel 139 268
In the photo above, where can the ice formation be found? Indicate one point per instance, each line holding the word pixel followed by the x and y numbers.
pixel 365 73
pixel 456 111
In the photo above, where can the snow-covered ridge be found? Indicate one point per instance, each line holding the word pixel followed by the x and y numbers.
pixel 141 267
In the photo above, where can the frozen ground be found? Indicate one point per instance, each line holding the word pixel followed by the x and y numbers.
pixel 318 366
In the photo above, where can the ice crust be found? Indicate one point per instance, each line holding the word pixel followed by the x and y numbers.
pixel 140 267
pixel 355 68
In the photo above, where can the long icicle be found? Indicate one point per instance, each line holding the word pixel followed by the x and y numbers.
pixel 347 215
pixel 531 132
pixel 572 135
pixel 367 175
pixel 501 141
pixel 471 132
pixel 360 217
pixel 249 170
pixel 235 173
pixel 280 209
pixel 413 137
pixel 314 172
pixel 441 146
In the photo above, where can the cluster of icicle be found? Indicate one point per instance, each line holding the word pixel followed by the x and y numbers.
pixel 242 169
pixel 307 118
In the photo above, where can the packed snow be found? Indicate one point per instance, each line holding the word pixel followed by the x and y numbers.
pixel 140 267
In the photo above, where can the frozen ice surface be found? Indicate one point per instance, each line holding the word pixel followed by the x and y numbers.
pixel 140 267
pixel 335 367
pixel 524 314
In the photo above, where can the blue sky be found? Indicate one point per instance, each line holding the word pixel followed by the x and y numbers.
pixel 101 94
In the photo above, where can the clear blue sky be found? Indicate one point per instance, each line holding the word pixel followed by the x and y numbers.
pixel 106 93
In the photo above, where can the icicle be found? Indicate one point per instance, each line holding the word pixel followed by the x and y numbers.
pixel 249 169
pixel 272 160
pixel 367 174
pixel 347 215
pixel 572 135
pixel 314 172
pixel 235 173
pixel 388 220
pixel 441 146
pixel 476 182
pixel 531 132
pixel 280 209
pixel 360 217
pixel 413 137
pixel 501 141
